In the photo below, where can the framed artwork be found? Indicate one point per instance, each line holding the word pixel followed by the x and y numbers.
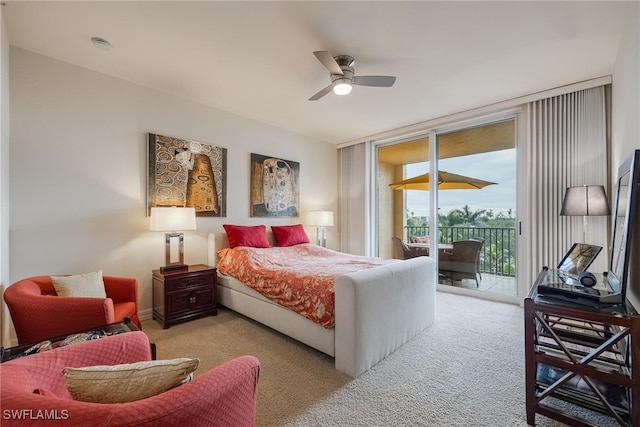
pixel 275 188
pixel 187 173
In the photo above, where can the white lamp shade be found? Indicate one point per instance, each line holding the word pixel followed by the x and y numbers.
pixel 585 200
pixel 173 219
pixel 321 218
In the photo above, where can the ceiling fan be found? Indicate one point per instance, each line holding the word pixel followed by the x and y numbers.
pixel 343 75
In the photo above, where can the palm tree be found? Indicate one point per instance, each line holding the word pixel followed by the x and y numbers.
pixel 467 216
pixel 451 219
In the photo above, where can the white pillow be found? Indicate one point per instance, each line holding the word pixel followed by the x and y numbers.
pixel 128 382
pixel 81 285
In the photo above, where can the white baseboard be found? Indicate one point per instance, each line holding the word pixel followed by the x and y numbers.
pixel 145 314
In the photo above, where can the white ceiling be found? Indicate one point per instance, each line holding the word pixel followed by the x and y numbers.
pixel 255 59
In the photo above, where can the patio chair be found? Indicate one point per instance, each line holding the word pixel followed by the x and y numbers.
pixel 480 239
pixel 405 252
pixel 462 262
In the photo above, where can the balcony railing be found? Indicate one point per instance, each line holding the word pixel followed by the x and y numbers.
pixel 498 254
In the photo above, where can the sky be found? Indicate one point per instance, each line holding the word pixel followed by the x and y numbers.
pixel 497 166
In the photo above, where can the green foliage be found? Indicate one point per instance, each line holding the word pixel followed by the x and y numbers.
pixel 417 221
pixel 498 230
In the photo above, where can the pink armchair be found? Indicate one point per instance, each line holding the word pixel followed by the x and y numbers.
pixel 38 313
pixel 224 396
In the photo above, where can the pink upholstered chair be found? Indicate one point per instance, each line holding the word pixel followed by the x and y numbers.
pixel 224 396
pixel 38 313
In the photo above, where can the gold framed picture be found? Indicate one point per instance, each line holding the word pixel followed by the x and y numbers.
pixel 187 173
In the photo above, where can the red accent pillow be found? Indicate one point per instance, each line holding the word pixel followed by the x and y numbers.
pixel 289 235
pixel 254 236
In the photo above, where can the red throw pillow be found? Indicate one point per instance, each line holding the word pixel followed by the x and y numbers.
pixel 254 236
pixel 289 235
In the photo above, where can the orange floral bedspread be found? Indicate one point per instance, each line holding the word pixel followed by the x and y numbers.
pixel 300 278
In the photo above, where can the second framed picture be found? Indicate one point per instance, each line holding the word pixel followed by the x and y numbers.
pixel 275 187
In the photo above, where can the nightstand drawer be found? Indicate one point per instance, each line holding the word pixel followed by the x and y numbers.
pixel 189 282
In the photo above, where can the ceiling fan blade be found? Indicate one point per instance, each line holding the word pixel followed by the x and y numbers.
pixel 322 93
pixel 327 60
pixel 378 81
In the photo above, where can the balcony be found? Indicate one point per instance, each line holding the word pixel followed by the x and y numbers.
pixel 497 258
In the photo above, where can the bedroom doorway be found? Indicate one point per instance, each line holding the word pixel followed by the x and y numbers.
pixel 482 206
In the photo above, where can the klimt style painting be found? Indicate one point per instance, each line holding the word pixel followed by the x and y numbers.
pixel 186 173
pixel 275 189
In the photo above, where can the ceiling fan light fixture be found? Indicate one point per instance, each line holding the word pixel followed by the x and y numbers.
pixel 342 87
pixel 343 75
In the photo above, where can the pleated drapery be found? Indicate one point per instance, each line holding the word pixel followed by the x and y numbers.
pixel 568 146
pixel 353 199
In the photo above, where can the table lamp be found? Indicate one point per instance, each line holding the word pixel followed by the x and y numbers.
pixel 585 200
pixel 174 220
pixel 322 220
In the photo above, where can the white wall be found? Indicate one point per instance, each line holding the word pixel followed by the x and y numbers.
pixel 625 132
pixel 78 171
pixel 4 174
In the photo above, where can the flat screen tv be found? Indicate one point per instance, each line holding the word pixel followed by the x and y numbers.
pixel 624 221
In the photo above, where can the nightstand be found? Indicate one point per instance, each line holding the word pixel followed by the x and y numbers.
pixel 179 296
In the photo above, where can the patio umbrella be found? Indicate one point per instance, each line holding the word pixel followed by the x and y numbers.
pixel 446 181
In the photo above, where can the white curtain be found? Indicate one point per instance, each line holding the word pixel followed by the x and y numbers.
pixel 354 199
pixel 568 146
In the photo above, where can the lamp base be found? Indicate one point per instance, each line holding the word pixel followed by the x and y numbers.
pixel 173 267
pixel 321 235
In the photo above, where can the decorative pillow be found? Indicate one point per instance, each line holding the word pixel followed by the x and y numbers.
pixel 289 235
pixel 419 239
pixel 128 382
pixel 81 285
pixel 254 236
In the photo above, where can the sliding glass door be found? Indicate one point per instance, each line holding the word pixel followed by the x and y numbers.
pixel 473 226
pixel 477 207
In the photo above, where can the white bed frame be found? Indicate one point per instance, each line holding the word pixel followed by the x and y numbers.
pixel 376 310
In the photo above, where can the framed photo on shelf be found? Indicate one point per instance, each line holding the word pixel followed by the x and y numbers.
pixel 186 173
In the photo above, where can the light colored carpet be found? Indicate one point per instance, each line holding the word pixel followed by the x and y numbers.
pixel 465 370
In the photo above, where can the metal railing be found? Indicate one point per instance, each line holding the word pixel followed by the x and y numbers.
pixel 498 254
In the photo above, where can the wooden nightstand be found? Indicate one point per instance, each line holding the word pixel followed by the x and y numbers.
pixel 179 296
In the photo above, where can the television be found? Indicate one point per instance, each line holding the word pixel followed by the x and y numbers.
pixel 623 222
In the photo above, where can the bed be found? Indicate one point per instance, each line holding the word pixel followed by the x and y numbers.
pixel 376 309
